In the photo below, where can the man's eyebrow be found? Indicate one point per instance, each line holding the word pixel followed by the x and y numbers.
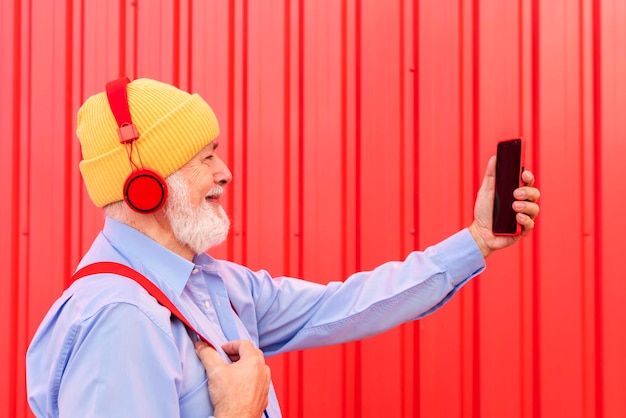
pixel 215 145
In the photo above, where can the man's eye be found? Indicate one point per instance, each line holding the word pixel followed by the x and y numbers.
pixel 209 157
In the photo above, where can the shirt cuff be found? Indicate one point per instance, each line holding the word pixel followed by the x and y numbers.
pixel 460 255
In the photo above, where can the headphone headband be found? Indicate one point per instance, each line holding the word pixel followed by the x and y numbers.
pixel 118 101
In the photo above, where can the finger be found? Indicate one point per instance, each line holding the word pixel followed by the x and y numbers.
pixel 239 347
pixel 530 194
pixel 207 355
pixel 235 350
pixel 528 178
pixel 526 222
pixel 528 208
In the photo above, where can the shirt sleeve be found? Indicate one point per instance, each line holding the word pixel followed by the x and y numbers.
pixel 120 365
pixel 295 314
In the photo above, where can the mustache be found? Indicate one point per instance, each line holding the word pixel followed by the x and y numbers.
pixel 216 191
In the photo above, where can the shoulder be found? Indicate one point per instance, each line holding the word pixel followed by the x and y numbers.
pixel 91 295
pixel 238 276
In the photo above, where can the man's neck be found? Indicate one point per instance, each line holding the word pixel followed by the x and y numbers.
pixel 157 227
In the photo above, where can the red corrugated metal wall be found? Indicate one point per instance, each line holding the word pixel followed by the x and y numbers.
pixel 356 131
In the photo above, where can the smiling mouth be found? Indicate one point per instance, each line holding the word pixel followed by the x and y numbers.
pixel 214 194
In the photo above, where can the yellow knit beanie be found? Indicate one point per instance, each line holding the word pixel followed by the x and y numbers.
pixel 173 126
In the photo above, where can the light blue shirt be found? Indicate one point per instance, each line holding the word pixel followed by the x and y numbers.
pixel 107 349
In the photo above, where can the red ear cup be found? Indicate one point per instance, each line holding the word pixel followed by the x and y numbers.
pixel 145 191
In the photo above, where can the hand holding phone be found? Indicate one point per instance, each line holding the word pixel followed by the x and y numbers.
pixel 508 178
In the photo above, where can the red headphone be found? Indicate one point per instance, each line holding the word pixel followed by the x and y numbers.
pixel 145 190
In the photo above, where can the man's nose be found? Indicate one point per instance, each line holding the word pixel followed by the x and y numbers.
pixel 223 175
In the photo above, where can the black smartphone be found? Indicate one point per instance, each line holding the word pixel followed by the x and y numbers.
pixel 508 178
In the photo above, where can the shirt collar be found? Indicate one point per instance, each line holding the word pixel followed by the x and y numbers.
pixel 147 256
pixel 205 262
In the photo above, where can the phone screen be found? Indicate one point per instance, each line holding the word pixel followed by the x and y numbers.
pixel 508 178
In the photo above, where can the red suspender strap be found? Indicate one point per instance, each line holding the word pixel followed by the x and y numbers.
pixel 123 270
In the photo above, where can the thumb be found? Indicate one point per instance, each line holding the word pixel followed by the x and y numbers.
pixel 489 181
pixel 208 356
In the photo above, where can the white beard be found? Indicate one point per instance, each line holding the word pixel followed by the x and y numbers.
pixel 199 228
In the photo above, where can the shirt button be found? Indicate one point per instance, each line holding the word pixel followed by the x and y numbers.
pixel 207 304
pixel 194 271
